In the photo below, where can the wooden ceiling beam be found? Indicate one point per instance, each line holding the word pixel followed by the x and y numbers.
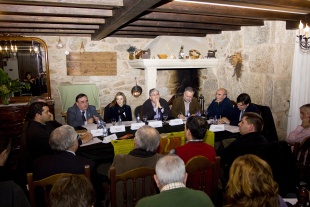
pixel 178 30
pixel 123 15
pixel 49 34
pixel 48 19
pixel 47 31
pixel 48 10
pixel 69 3
pixel 224 11
pixel 38 25
pixel 201 19
pixel 134 36
pixel 171 24
pixel 286 5
pixel 158 33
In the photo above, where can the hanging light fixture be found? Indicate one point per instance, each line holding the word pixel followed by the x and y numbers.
pixel 136 91
pixel 82 49
pixel 59 44
pixel 303 36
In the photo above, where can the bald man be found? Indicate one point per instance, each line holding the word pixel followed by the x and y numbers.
pixel 221 105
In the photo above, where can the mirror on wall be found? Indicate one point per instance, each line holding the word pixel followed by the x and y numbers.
pixel 26 59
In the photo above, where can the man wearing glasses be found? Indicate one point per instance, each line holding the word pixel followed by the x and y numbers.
pixel 155 106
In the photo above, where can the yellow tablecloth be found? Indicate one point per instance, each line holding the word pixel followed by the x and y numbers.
pixel 171 141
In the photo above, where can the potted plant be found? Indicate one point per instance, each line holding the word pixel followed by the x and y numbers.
pixel 131 51
pixel 9 86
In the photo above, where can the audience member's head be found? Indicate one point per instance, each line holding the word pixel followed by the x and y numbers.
pixel 28 76
pixel 5 148
pixel 243 101
pixel 120 99
pixel 37 99
pixel 72 191
pixel 251 183
pixel 64 138
pixel 251 122
pixel 81 101
pixel 154 95
pixel 221 94
pixel 38 111
pixel 304 111
pixel 195 128
pixel 170 169
pixel 188 94
pixel 147 138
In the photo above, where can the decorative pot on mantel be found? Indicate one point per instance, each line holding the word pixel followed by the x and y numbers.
pixel 131 56
pixel 5 99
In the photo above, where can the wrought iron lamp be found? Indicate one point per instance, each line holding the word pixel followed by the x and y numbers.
pixel 304 38
pixel 136 91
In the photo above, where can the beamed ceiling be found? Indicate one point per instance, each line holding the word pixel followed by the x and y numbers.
pixel 144 18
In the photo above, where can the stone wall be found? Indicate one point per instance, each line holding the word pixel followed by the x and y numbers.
pixel 267 53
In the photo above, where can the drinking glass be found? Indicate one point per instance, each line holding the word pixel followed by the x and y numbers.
pixel 144 118
pixel 113 121
pixel 165 116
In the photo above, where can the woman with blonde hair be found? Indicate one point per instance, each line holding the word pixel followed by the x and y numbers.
pixel 251 184
pixel 118 108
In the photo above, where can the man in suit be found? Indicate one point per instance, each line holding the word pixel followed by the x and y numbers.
pixel 63 141
pixel 144 154
pixel 221 105
pixel 243 105
pixel 81 113
pixel 187 103
pixel 155 106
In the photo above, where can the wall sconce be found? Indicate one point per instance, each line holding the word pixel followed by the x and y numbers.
pixel 82 49
pixel 136 91
pixel 59 44
pixel 303 39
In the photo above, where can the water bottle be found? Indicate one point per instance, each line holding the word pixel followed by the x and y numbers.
pixel 119 120
pixel 215 120
pixel 188 114
pixel 99 124
pixel 181 53
pixel 198 113
pixel 105 130
pixel 138 118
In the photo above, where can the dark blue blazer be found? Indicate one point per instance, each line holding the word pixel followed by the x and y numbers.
pixel 222 109
pixel 60 162
pixel 115 111
pixel 236 113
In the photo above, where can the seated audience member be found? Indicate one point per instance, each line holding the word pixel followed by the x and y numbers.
pixel 251 184
pixel 118 108
pixel 63 141
pixel 221 105
pixel 243 105
pixel 32 81
pixel 187 103
pixel 302 131
pixel 155 106
pixel 171 178
pixel 81 113
pixel 40 128
pixel 144 154
pixel 10 193
pixel 72 191
pixel 194 132
pixel 249 142
pixel 39 99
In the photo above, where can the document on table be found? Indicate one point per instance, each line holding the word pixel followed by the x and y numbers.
pixel 232 129
pixel 93 141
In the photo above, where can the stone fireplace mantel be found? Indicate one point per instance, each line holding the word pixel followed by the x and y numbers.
pixel 152 65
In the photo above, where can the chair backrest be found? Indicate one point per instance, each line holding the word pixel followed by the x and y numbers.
pixel 302 155
pixel 46 185
pixel 142 184
pixel 203 175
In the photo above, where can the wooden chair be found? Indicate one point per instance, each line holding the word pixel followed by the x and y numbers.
pixel 302 155
pixel 203 175
pixel 142 185
pixel 46 184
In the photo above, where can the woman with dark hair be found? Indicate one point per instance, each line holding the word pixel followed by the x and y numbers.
pixel 244 104
pixel 28 78
pixel 251 184
pixel 118 108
